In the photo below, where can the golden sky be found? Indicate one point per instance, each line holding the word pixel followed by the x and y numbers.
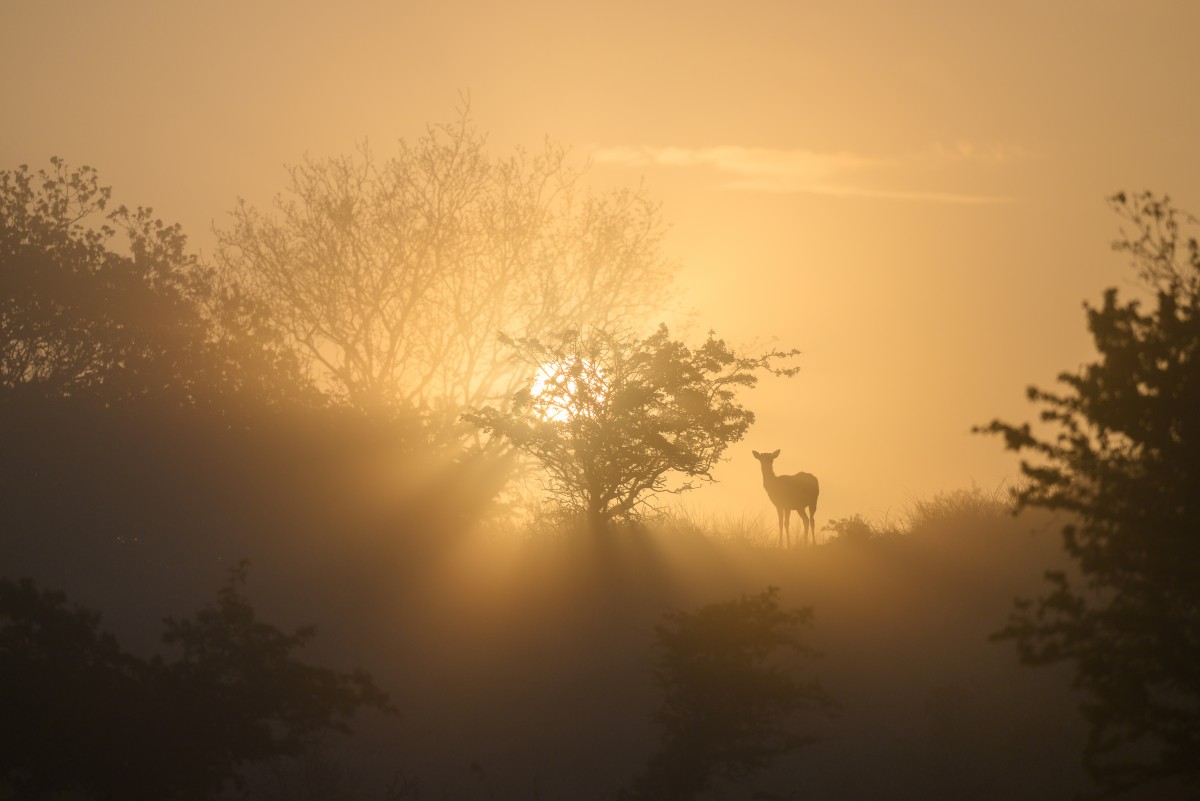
pixel 911 193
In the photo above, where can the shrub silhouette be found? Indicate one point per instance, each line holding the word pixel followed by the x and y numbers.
pixel 731 691
pixel 80 715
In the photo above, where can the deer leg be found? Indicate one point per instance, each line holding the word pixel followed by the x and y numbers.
pixel 779 514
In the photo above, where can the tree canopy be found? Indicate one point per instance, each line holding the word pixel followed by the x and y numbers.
pixel 731 691
pixel 81 715
pixel 111 304
pixel 392 276
pixel 1123 460
pixel 616 420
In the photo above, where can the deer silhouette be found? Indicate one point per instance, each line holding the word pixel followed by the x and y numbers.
pixel 797 492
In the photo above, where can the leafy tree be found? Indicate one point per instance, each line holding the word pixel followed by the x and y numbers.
pixel 391 277
pixel 80 715
pixel 613 418
pixel 731 689
pixel 1125 464
pixel 112 305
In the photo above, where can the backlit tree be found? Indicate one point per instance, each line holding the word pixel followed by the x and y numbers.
pixel 1123 460
pixel 109 303
pixel 392 276
pixel 617 420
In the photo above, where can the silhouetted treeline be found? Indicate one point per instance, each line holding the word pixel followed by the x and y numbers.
pixel 111 305
pixel 84 718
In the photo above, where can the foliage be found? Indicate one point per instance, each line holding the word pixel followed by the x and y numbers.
pixel 1125 464
pixel 958 509
pixel 856 529
pixel 613 418
pixel 82 715
pixel 730 688
pixel 391 277
pixel 85 312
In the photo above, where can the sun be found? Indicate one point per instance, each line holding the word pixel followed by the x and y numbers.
pixel 567 389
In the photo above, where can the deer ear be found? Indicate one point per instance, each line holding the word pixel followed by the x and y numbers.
pixel 775 455
pixel 757 455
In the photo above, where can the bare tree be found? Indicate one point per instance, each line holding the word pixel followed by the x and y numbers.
pixel 393 276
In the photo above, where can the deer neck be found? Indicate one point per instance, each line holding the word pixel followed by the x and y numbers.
pixel 769 476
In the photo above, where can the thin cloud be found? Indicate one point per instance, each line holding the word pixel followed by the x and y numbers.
pixel 835 190
pixel 964 152
pixel 807 171
pixel 744 161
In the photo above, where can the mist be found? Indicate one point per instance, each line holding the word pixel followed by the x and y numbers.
pixel 522 659
pixel 542 402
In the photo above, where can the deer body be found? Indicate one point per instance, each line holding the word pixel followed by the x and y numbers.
pixel 797 492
